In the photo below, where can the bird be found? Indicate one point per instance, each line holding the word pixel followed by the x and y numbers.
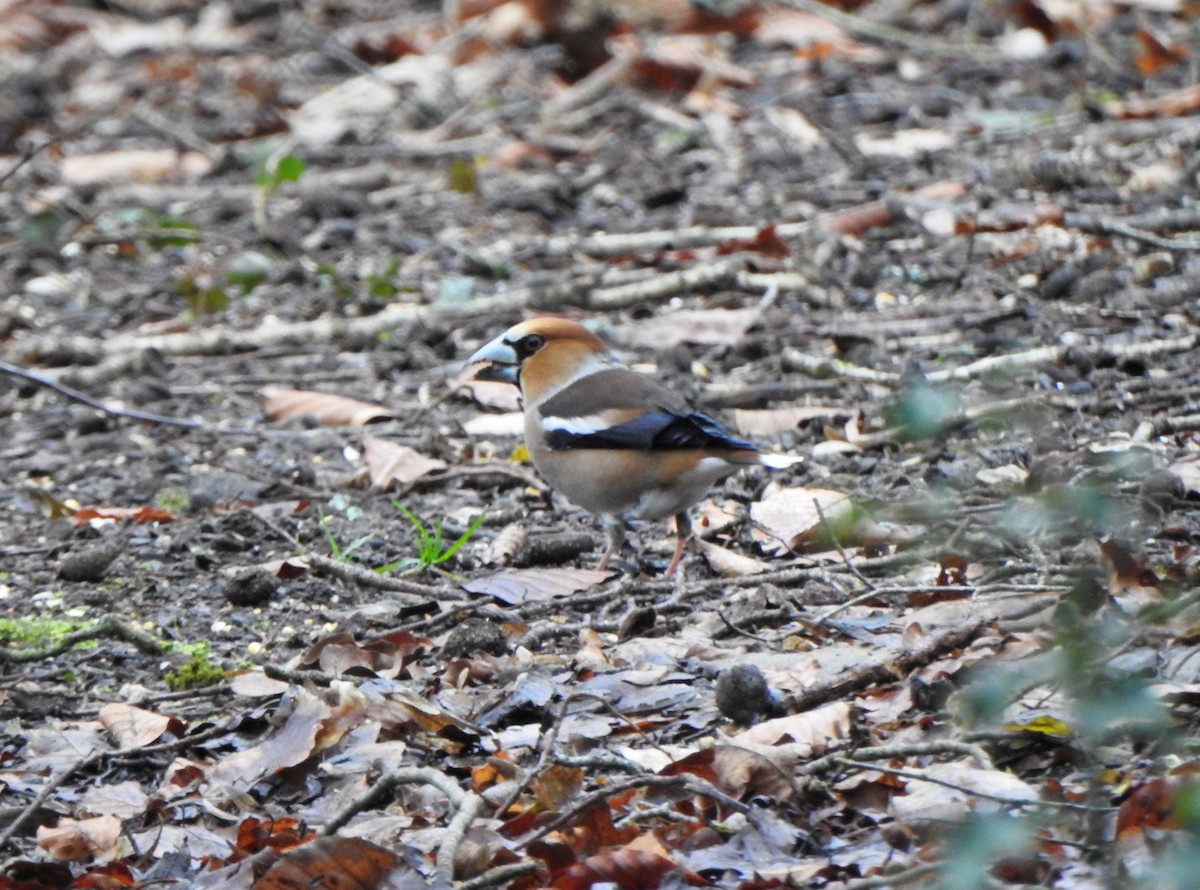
pixel 612 440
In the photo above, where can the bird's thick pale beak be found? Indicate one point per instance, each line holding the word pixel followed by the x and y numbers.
pixel 502 362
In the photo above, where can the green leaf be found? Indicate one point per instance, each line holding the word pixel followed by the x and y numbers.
pixel 289 168
pixel 464 176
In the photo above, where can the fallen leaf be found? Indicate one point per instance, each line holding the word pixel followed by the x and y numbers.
pixel 727 563
pixel 1132 583
pixel 332 862
pixel 384 655
pixel 1154 55
pixel 132 727
pixel 133 165
pixel 516 586
pixel 125 800
pixel 291 744
pixel 255 684
pixel 624 868
pixel 140 515
pixel 506 544
pixel 80 841
pixel 933 805
pixel 388 462
pixel 812 730
pixel 280 403
pixel 785 518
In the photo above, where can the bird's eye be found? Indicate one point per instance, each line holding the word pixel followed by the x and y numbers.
pixel 530 344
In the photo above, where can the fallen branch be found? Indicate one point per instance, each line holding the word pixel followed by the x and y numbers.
pixel 466 805
pixel 105 628
pixel 888 670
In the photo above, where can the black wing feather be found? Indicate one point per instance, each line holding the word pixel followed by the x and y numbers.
pixel 655 430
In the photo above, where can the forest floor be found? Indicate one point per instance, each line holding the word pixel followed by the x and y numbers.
pixel 949 253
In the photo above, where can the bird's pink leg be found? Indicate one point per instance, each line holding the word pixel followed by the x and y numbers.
pixel 616 537
pixel 683 528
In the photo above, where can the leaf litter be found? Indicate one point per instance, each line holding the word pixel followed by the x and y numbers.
pixel 984 623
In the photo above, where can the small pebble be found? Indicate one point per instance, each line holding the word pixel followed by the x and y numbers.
pixel 742 693
pixel 252 587
pixel 89 564
pixel 473 635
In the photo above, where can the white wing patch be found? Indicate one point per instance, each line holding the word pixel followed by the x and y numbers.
pixel 577 426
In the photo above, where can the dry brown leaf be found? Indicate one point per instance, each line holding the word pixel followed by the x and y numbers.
pixel 384 655
pixel 806 33
pixel 1132 583
pixel 132 727
pixel 140 515
pixel 727 563
pixel 1156 55
pixel 812 730
pixel 81 841
pixel 133 165
pixel 516 586
pixel 388 462
pixel 557 786
pixel 713 517
pixel 255 684
pixel 747 771
pixel 1178 103
pixel 786 517
pixel 285 569
pixel 622 867
pixel 294 742
pixel 280 403
pixel 331 862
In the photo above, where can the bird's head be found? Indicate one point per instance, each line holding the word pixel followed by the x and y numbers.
pixel 541 356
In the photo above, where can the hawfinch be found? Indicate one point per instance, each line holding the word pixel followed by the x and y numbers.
pixel 615 442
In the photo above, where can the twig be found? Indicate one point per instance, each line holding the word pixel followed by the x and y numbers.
pixel 886 33
pixel 888 752
pixel 1014 361
pixel 973 792
pixel 827 368
pixel 367 578
pixel 105 627
pixel 30 153
pixel 113 411
pixel 888 670
pixel 894 879
pixel 838 546
pixel 501 874
pixel 1103 226
pixel 688 783
pixel 722 273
